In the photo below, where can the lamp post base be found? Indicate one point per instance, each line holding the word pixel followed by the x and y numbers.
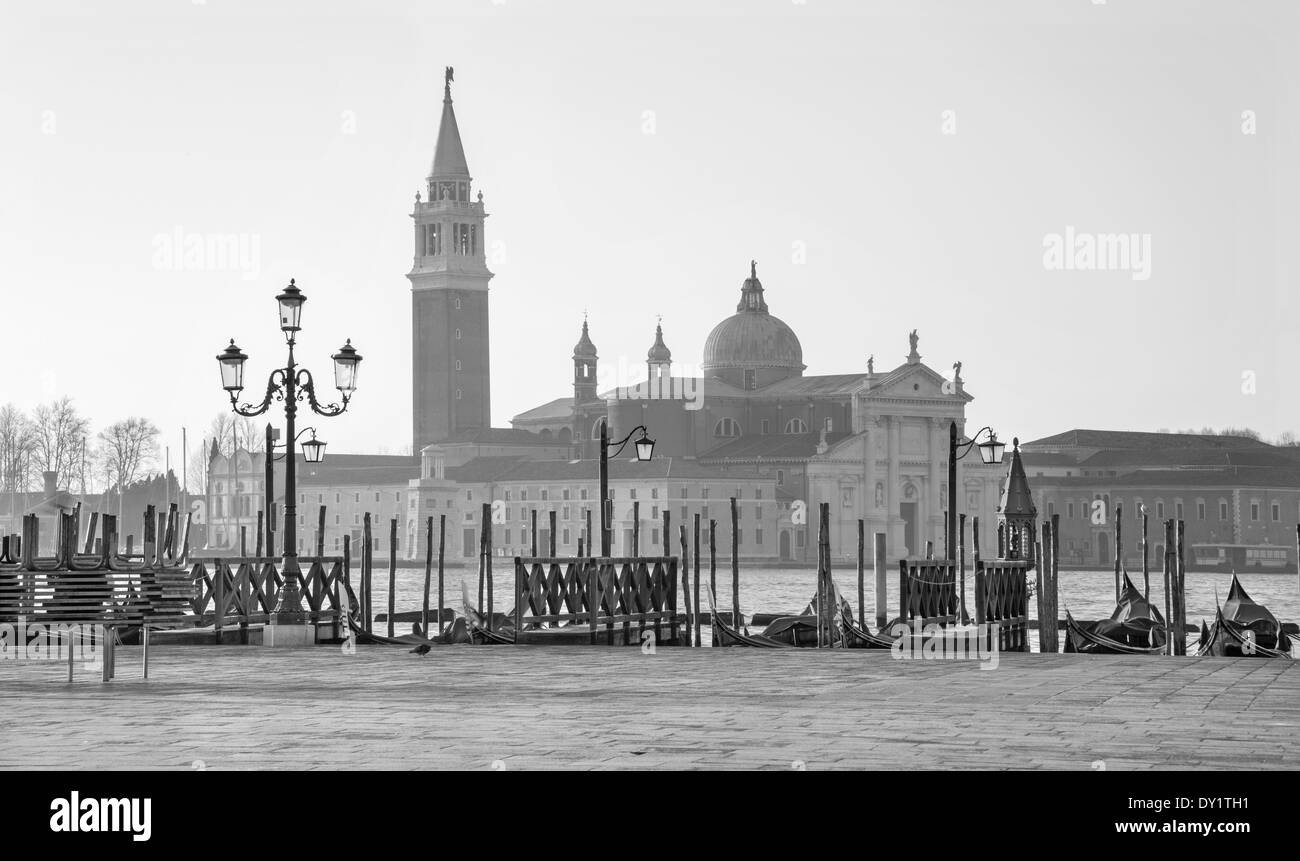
pixel 288 636
pixel 288 608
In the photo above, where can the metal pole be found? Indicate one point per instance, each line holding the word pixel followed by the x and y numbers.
pixel 952 491
pixel 604 488
pixel 289 607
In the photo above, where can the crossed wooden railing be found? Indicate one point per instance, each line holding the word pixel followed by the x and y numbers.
pixel 1002 597
pixel 598 592
pixel 234 592
pixel 927 593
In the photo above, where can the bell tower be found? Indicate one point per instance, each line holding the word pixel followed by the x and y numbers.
pixel 449 296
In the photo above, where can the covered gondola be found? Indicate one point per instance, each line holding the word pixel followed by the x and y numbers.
pixel 1135 628
pixel 1243 628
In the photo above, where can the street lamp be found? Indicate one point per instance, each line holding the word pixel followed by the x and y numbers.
pixel 645 449
pixel 291 384
pixel 991 451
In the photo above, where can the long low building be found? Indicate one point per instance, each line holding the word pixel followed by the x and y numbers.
pixel 1239 498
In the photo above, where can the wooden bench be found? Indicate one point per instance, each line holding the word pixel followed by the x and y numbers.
pixel 58 596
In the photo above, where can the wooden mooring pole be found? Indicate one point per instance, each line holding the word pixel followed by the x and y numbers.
pixel 442 543
pixel 862 573
pixel 881 571
pixel 1169 588
pixel 320 533
pixel 485 514
pixel 686 577
pixel 428 576
pixel 696 603
pixel 735 563
pixel 636 527
pixel 533 514
pixel 1119 550
pixel 713 562
pixel 392 572
pixel 1041 578
pixel 1180 570
pixel 367 573
pixel 551 542
pixel 961 568
pixel 1146 559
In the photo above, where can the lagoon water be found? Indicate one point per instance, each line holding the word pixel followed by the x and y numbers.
pixel 1086 594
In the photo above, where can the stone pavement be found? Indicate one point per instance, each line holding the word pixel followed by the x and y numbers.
pixel 529 707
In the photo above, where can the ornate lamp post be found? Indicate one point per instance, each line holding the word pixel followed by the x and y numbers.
pixel 291 384
pixel 991 451
pixel 645 449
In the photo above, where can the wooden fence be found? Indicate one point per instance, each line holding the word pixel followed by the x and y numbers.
pixel 927 593
pixel 595 592
pixel 234 592
pixel 1002 598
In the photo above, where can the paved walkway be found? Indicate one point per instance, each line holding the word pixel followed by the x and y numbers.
pixel 534 707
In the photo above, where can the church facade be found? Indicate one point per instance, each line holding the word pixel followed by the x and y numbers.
pixel 873 444
pixel 752 424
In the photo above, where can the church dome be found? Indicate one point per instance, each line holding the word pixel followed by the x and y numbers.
pixel 752 339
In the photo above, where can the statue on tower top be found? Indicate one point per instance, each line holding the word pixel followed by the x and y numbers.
pixel 449 76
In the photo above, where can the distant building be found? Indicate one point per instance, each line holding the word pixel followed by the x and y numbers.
pixel 1239 498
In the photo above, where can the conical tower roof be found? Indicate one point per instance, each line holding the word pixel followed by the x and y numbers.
pixel 1017 499
pixel 584 349
pixel 659 351
pixel 449 153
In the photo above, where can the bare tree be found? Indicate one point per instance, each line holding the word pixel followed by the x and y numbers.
pixel 126 447
pixel 60 431
pixel 230 430
pixel 196 471
pixel 17 443
pixel 1289 439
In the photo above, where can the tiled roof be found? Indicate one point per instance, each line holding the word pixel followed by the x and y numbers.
pixel 1105 439
pixel 1047 458
pixel 812 386
pixel 557 409
pixel 1189 478
pixel 498 436
pixel 359 469
pixel 771 447
pixel 1266 456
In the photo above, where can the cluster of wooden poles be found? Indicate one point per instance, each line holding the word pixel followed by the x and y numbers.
pixel 1174 571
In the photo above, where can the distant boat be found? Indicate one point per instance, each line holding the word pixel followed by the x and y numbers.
pixel 1244 558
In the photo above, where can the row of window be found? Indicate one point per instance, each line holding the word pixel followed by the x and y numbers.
pixel 566 537
pixel 338 497
pixel 566 493
pixel 1085 509
pixel 729 427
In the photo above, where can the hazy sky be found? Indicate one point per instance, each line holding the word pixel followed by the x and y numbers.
pixel 633 159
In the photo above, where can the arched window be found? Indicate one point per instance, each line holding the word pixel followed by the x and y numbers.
pixel 726 426
pixel 546 433
pixel 796 425
pixel 565 434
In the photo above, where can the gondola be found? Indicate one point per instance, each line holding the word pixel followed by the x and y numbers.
pixel 1135 628
pixel 1243 628
pixel 726 635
